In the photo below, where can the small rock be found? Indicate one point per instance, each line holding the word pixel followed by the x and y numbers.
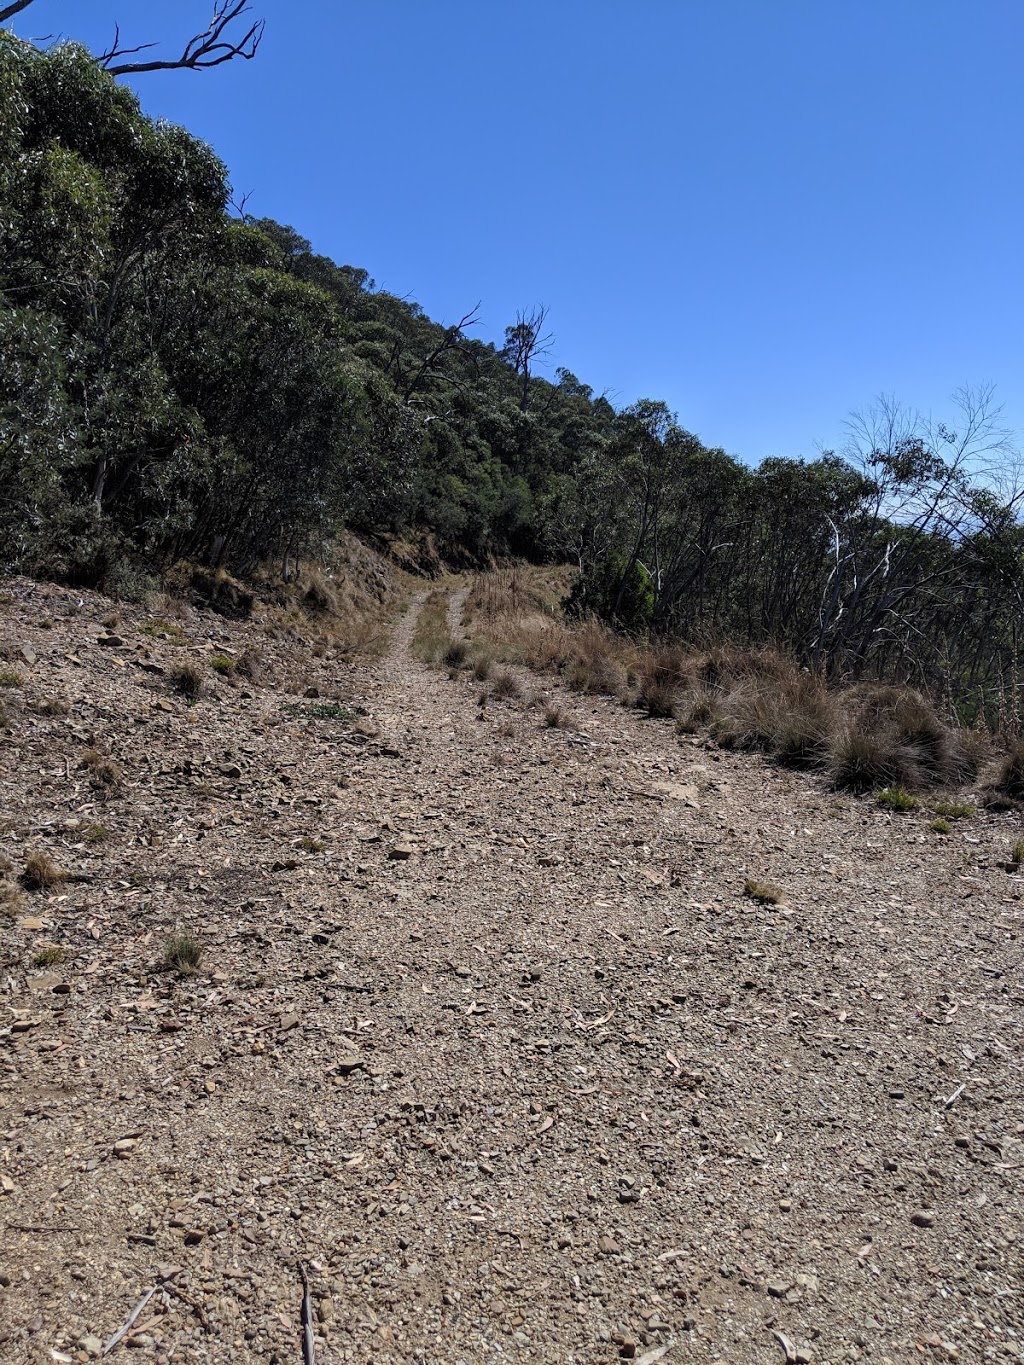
pixel 288 1021
pixel 785 1205
pixel 897 1094
pixel 194 1236
pixel 32 922
pixel 231 770
pixel 124 1148
pixel 400 852
pixel 28 655
pixel 311 692
pixel 110 641
pixel 778 1289
pixel 48 981
pixel 325 1310
pixel 607 1245
pixel 91 1345
pixel 923 1218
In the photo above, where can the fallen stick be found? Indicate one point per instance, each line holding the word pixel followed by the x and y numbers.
pixel 126 1327
pixel 308 1346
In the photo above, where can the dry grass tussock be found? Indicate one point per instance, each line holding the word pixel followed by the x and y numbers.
pixel 866 738
pixel 432 641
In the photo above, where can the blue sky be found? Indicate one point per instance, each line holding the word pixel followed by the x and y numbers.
pixel 764 212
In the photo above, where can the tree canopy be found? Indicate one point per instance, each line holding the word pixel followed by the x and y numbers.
pixel 181 381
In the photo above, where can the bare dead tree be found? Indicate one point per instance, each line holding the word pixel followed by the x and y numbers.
pixel 525 342
pixel 453 340
pixel 215 45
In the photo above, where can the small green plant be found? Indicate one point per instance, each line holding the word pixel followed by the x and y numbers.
pixel 482 667
pixel 953 810
pixel 896 798
pixel 41 873
pixel 1017 852
pixel 323 710
pixel 554 717
pixel 10 677
pixel 765 893
pixel 223 664
pixel 94 834
pixel 183 952
pixel 49 956
pixel 156 626
pixel 310 845
pixel 188 680
pixel 942 827
pixel 4 722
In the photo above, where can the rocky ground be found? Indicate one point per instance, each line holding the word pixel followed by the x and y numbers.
pixel 485 1033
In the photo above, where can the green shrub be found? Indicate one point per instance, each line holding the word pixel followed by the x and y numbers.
pixel 183 952
pixel 896 798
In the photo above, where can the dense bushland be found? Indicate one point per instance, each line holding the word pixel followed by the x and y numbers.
pixel 181 383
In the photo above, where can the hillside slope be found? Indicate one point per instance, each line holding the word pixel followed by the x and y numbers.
pixel 485 1032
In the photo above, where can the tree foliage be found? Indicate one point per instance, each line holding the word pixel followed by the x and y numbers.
pixel 179 382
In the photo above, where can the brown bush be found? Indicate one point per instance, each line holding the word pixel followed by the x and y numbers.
pixel 457 654
pixel 213 588
pixel 865 759
pixel 104 774
pixel 41 873
pixel 505 685
pixel 1010 778
pixel 660 673
pixel 188 680
pixel 943 753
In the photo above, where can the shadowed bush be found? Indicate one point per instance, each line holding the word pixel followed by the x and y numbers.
pixel 1010 779
pixel 863 760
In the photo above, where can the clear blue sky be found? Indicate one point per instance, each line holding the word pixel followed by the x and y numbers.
pixel 764 212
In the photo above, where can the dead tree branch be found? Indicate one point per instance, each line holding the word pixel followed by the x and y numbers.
pixel 9 11
pixel 212 47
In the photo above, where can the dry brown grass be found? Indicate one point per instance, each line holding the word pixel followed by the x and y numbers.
pixel 505 685
pixel 869 737
pixel 187 679
pixel 431 639
pixel 41 873
pixel 555 718
pixel 49 706
pixel 1010 777
pixel 10 897
pixel 104 774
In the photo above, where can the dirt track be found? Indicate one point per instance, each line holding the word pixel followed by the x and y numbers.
pixel 511 1064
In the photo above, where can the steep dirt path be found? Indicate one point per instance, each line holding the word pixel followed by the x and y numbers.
pixel 514 1066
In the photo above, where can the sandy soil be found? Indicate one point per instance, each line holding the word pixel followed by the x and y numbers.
pixel 502 1054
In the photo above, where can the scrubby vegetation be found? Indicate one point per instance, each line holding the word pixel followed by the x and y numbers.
pixel 192 394
pixel 868 737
